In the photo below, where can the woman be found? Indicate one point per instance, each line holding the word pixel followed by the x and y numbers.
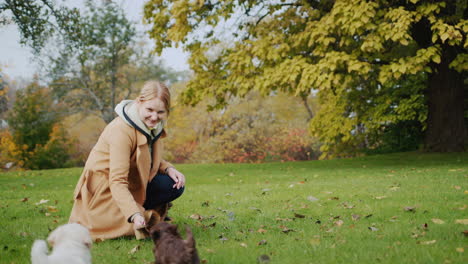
pixel 125 173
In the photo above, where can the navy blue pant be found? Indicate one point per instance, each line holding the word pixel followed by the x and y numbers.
pixel 160 191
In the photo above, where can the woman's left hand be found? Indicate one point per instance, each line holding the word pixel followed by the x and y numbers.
pixel 177 177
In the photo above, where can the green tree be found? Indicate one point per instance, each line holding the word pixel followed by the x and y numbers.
pixel 37 140
pixel 361 58
pixel 103 65
pixel 38 20
pixel 3 95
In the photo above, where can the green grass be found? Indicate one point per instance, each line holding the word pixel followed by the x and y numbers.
pixel 247 203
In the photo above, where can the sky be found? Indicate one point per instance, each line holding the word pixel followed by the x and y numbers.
pixel 16 60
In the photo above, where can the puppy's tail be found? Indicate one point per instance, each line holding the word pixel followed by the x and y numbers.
pixel 39 252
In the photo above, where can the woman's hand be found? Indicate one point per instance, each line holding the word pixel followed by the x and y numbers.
pixel 177 177
pixel 138 221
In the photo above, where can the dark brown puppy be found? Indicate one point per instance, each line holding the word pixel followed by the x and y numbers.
pixel 170 248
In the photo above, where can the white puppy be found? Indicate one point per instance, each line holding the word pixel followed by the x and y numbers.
pixel 71 243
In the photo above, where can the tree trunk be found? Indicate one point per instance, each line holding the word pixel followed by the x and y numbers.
pixel 446 128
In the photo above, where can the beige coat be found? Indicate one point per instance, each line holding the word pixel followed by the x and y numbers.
pixel 113 184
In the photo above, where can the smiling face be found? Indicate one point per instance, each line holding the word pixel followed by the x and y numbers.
pixel 152 111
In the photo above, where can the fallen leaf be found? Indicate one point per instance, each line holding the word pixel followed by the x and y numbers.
pixel 465 232
pixel 231 216
pixel 461 221
pixel 23 234
pixel 284 219
pixel 42 201
pixel 24 186
pixel 296 215
pixel 25 199
pixel 460 250
pixel 429 242
pixel 263 259
pixel 410 209
pixel 457 187
pixel 134 250
pixel 286 230
pixel 371 228
pixel 262 242
pixel 261 230
pixel 196 217
pixel 380 197
pixel 243 245
pixel 394 188
pixel 204 261
pixel 312 199
pixel 52 209
pixel 355 217
pixel 334 198
pixel 339 223
pixel 438 221
pixel 255 208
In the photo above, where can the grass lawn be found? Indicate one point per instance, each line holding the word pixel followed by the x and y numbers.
pixel 397 208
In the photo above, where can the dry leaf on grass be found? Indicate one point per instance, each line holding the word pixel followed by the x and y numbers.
pixel 410 209
pixel 461 221
pixel 42 201
pixel 263 259
pixel 134 250
pixel 262 242
pixel 286 230
pixel 52 209
pixel 339 223
pixel 296 215
pixel 438 221
pixel 430 242
pixel 196 217
pixel 460 250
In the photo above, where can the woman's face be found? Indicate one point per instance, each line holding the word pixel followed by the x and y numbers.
pixel 152 111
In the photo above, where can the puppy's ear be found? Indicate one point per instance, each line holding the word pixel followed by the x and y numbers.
pixel 154 233
pixel 88 241
pixel 54 236
pixel 172 229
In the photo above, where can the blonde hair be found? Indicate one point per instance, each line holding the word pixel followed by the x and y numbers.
pixel 155 89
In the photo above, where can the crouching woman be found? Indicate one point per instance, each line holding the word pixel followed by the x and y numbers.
pixel 125 174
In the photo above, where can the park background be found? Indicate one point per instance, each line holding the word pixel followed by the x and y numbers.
pixel 266 82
